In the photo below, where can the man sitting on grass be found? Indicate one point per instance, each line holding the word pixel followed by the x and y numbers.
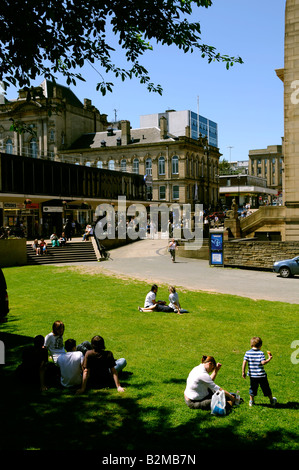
pixel 100 369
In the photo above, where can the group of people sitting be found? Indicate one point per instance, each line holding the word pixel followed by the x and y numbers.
pixel 40 247
pixel 151 304
pixel 88 365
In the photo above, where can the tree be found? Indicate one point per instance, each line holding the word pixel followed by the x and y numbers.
pixel 45 37
pixel 224 167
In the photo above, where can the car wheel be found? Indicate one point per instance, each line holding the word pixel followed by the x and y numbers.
pixel 285 272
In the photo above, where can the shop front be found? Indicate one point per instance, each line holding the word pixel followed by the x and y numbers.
pixel 21 219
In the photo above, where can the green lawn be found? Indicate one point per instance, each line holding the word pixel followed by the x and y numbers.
pixel 160 350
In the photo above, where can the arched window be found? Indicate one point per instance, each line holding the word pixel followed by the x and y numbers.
pixel 161 166
pixel 111 165
pixel 99 164
pixel 148 166
pixel 136 166
pixel 33 148
pixel 123 165
pixel 8 146
pixel 175 165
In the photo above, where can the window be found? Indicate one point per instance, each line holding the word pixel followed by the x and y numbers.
pixel 8 147
pixel 148 166
pixel 175 165
pixel 111 165
pixel 161 166
pixel 99 164
pixel 175 192
pixel 123 165
pixel 33 148
pixel 162 192
pixel 136 166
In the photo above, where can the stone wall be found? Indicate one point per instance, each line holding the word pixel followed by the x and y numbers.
pixel 13 252
pixel 258 254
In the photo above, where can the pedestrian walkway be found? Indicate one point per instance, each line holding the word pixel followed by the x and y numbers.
pixel 149 260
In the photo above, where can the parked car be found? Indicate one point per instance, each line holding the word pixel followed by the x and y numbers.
pixel 4 304
pixel 287 267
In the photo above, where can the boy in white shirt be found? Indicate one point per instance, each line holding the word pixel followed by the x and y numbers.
pixel 70 365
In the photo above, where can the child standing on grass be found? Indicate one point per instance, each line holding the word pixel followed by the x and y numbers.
pixel 256 360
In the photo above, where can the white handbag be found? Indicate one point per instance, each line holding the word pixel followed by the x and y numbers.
pixel 218 403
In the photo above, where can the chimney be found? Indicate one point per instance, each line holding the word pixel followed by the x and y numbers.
pixel 125 132
pixel 163 128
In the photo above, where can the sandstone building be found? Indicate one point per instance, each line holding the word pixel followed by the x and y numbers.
pixel 176 168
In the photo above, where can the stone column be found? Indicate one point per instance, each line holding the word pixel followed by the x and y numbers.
pixel 291 119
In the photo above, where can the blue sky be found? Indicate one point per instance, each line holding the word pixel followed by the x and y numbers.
pixel 246 101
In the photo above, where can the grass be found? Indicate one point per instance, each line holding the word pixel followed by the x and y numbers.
pixel 160 349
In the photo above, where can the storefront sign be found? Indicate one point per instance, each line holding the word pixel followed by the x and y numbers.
pixel 52 209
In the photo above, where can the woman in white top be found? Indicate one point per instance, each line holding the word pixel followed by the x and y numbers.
pixel 173 298
pixel 200 385
pixel 172 247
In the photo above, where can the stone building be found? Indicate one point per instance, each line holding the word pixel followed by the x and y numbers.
pixel 290 78
pixel 285 218
pixel 176 169
pixel 54 116
pixel 268 163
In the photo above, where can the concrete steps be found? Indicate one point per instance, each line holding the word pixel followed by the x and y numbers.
pixel 72 252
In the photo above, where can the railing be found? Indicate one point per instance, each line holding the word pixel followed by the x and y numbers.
pixel 27 152
pixel 263 216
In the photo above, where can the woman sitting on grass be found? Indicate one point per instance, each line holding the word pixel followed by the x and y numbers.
pixel 200 385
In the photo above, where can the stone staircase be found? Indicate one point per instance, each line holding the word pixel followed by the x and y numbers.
pixel 72 252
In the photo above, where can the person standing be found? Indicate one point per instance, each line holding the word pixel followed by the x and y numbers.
pixel 171 248
pixel 255 359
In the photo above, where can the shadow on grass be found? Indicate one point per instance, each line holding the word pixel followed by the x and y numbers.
pixel 103 420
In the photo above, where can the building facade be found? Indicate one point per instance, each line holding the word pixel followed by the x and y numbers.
pixel 177 121
pixel 268 163
pixel 177 169
pixel 53 118
pixel 245 189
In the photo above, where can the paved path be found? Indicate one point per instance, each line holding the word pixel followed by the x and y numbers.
pixel 149 260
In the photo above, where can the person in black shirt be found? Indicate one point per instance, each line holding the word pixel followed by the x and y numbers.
pixel 100 369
